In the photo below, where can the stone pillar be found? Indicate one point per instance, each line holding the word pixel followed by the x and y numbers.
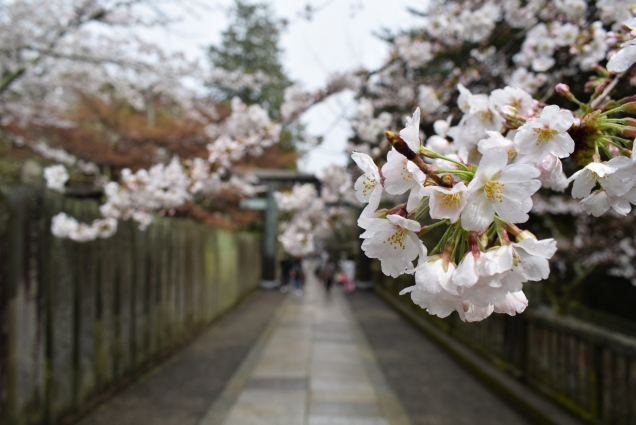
pixel 270 234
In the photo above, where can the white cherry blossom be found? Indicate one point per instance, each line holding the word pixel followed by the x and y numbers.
pixel 600 201
pixel 434 275
pixel 446 203
pixel 567 34
pixel 622 60
pixel 427 99
pixel 587 178
pixel 401 175
pixel 513 304
pixel 83 233
pixel 551 168
pixel 466 274
pixel 474 124
pixel 440 304
pixel 546 134
pixel 530 257
pixel 368 187
pixel 434 289
pixel 617 176
pixel 512 96
pixel 411 132
pixel 62 225
pixel 105 227
pixel 56 177
pixel 499 188
pixel 496 140
pixel 393 241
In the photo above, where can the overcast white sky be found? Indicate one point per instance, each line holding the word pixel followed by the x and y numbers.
pixel 338 38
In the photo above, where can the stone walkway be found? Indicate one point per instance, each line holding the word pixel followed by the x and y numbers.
pixel 312 366
pixel 182 389
pixel 433 388
pixel 305 360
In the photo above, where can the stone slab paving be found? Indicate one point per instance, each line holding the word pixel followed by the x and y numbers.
pixel 433 388
pixel 312 366
pixel 181 390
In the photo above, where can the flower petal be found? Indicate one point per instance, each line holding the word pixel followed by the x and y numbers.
pixel 478 213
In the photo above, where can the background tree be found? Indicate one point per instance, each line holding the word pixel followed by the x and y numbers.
pixel 247 61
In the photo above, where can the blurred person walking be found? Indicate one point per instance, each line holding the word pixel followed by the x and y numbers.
pixel 348 268
pixel 328 274
pixel 285 273
pixel 297 276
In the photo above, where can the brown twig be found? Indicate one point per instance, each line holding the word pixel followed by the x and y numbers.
pixel 597 102
pixel 400 145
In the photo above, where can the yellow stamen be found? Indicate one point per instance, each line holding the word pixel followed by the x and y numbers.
pixel 368 185
pixel 486 115
pixel 397 239
pixel 544 134
pixel 450 200
pixel 493 191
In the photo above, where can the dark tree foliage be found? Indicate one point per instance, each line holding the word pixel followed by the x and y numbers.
pixel 250 45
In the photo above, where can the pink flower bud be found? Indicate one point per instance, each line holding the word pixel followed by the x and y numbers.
pixel 564 90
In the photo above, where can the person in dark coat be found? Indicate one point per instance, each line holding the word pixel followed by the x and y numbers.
pixel 328 274
pixel 297 276
pixel 285 268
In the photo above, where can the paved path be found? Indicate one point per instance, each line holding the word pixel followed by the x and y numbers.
pixel 181 390
pixel 312 366
pixel 288 360
pixel 434 389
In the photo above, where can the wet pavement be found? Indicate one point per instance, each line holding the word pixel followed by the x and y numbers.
pixel 310 359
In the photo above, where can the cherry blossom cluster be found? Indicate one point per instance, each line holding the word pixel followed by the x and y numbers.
pixel 67 227
pixel 61 156
pixel 248 129
pixel 56 177
pixel 531 45
pixel 312 216
pixel 236 81
pixel 54 50
pixel 160 188
pixel 495 152
pixel 139 195
pixel 477 179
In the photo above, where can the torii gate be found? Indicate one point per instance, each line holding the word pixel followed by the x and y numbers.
pixel 273 179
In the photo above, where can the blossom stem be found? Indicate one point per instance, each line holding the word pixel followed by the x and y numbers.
pixel 605 149
pixel 492 230
pixel 458 244
pixel 434 155
pixel 442 241
pixel 597 102
pixel 585 108
pixel 421 212
pixel 399 210
pixel 421 208
pixel 473 243
pixel 427 229
pixel 481 245
pixel 452 242
pixel 622 140
pixel 597 154
pixel 501 231
pixel 512 229
pixel 461 173
pixel 400 145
